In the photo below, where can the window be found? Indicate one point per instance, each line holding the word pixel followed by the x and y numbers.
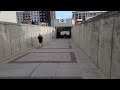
pixel 83 18
pixel 79 17
pixel 94 13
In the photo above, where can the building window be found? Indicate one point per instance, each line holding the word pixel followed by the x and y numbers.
pixel 79 17
pixel 94 13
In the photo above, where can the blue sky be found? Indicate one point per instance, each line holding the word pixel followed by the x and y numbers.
pixel 65 14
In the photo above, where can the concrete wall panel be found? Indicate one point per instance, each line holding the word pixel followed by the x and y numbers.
pixel 5 49
pixel 94 41
pixel 15 40
pixel 23 38
pixel 29 41
pixel 105 37
pixel 115 72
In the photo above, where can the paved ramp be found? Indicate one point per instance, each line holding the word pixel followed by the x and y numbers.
pixel 60 59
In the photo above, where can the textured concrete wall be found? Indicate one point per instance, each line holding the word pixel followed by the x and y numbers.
pixel 5 45
pixel 115 70
pixel 105 37
pixel 94 41
pixel 99 37
pixel 17 38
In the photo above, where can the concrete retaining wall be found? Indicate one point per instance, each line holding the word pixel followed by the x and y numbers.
pixel 99 37
pixel 16 38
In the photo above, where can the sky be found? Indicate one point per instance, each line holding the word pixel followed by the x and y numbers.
pixel 65 14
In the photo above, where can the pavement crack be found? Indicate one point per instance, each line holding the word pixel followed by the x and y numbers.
pixel 33 71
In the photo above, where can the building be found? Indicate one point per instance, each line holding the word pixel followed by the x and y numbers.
pixel 53 17
pixel 19 17
pixel 44 16
pixel 8 16
pixel 26 17
pixel 36 17
pixel 84 15
pixel 47 16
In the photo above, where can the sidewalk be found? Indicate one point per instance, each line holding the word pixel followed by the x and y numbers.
pixel 59 59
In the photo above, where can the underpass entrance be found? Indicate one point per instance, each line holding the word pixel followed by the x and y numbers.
pixel 63 32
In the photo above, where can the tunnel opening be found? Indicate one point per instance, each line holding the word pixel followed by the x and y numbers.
pixel 61 31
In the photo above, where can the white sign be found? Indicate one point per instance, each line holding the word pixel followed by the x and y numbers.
pixel 65 32
pixel 62 20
